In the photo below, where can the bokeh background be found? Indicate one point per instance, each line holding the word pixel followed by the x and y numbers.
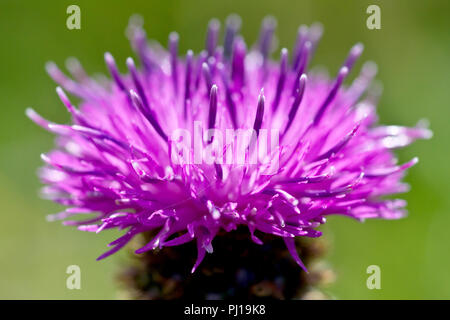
pixel 412 51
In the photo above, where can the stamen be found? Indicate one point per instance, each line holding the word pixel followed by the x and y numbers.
pixel 137 83
pixel 139 40
pixel 216 60
pixel 302 36
pixel 212 107
pixel 290 244
pixel 112 67
pixel 207 74
pixel 59 77
pixel 341 144
pixel 228 97
pixel 92 132
pixel 237 64
pixel 354 54
pixel 148 114
pixel 340 78
pixel 173 48
pixel 187 82
pixel 259 113
pixel 73 111
pixel 219 171
pixel 198 70
pixel 314 35
pixel 65 100
pixel 375 173
pixel 303 64
pixel 281 78
pixel 297 101
pixel 265 39
pixel 75 68
pixel 36 118
pixel 211 39
pixel 200 255
pixel 362 82
pixel 233 24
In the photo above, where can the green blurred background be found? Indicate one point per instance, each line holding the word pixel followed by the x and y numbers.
pixel 412 51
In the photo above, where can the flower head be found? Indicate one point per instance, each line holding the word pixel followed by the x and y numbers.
pixel 134 153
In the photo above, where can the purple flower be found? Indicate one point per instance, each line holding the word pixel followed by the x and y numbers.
pixel 119 160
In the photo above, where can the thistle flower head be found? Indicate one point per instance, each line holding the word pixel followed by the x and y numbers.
pixel 134 153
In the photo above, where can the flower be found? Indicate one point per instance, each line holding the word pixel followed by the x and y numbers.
pixel 118 158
